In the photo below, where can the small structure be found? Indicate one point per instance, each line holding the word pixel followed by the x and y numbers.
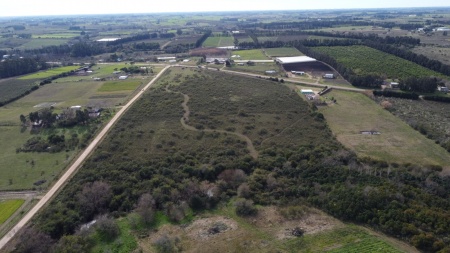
pixel 172 61
pixel 76 107
pixel 108 39
pixel 295 59
pixel 117 72
pixel 300 73
pixel 186 60
pixel 240 63
pixel 328 76
pixel 394 85
pixel 443 89
pixel 166 58
pixel 123 77
pixel 270 72
pixel 216 60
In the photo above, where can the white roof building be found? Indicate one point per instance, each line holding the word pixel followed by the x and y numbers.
pixel 123 77
pixel 108 39
pixel 295 59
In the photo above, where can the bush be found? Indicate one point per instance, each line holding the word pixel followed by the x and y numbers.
pixel 107 228
pixel 165 244
pixel 245 207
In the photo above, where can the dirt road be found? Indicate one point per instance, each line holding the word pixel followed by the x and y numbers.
pixel 73 168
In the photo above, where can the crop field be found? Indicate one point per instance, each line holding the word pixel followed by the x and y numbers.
pixel 441 54
pixel 254 54
pixel 219 42
pixel 282 52
pixel 364 60
pixel 125 85
pixel 49 73
pixel 55 36
pixel 11 88
pixel 264 38
pixel 38 43
pixel 398 142
pixel 258 68
pixel 8 207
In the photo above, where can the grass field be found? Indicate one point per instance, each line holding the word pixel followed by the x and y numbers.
pixel 55 35
pixel 282 52
pixel 125 85
pixel 11 88
pixel 49 73
pixel 254 54
pixel 37 43
pixel 8 208
pixel 219 42
pixel 364 60
pixel 398 142
pixel 258 68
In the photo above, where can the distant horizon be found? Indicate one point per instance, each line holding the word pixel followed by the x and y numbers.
pixel 32 8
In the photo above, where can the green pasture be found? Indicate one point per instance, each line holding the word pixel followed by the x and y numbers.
pixel 49 73
pixel 397 143
pixel 8 208
pixel 254 54
pixel 219 42
pixel 37 43
pixel 282 52
pixel 55 35
pixel 121 85
pixel 258 68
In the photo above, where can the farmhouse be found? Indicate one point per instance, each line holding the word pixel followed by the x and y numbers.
pixel 123 77
pixel 295 59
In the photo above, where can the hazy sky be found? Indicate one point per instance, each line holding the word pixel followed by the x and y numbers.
pixel 63 7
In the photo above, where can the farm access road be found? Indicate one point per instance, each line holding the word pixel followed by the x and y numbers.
pixel 73 168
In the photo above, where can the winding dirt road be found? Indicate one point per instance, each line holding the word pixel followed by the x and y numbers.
pixel 73 168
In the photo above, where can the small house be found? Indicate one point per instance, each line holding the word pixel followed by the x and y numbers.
pixel 328 76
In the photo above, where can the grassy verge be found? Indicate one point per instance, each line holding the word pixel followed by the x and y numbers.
pixel 8 208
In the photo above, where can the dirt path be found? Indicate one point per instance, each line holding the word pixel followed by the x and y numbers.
pixel 73 168
pixel 166 44
pixel 185 119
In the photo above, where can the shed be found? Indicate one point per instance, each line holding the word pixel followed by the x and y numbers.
pixel 123 77
pixel 270 72
pixel 328 76
pixel 394 85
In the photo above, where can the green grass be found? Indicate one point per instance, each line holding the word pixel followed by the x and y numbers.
pixel 49 73
pixel 11 88
pixel 124 243
pixel 345 239
pixel 8 208
pixel 254 54
pixel 55 35
pixel 258 68
pixel 121 85
pixel 37 43
pixel 282 52
pixel 219 42
pixel 365 60
pixel 398 142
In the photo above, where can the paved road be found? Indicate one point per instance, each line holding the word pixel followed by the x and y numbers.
pixel 67 175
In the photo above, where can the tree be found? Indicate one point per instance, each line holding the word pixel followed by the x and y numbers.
pixel 245 207
pixel 179 31
pixel 94 198
pixel 145 208
pixel 33 241
pixel 107 228
pixel 23 119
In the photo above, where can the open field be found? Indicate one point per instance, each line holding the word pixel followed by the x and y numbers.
pixel 254 54
pixel 397 143
pixel 38 43
pixel 282 52
pixel 56 35
pixel 8 207
pixel 441 54
pixel 49 73
pixel 219 42
pixel 258 68
pixel 121 85
pixel 11 88
pixel 364 60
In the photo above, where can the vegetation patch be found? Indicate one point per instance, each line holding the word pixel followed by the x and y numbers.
pixel 254 54
pixel 125 85
pixel 365 61
pixel 8 208
pixel 49 73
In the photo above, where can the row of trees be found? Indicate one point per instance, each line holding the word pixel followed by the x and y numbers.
pixel 15 67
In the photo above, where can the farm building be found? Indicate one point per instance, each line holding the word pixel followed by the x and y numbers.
pixel 123 77
pixel 76 107
pixel 308 93
pixel 270 72
pixel 117 72
pixel 300 73
pixel 328 76
pixel 216 60
pixel 166 58
pixel 108 39
pixel 394 85
pixel 442 89
pixel 172 61
pixel 295 59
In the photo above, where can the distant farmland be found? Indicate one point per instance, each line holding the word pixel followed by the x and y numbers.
pixel 12 88
pixel 365 60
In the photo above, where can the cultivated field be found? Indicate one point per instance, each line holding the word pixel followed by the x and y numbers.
pixel 219 42
pixel 254 54
pixel 121 85
pixel 364 60
pixel 282 52
pixel 8 207
pixel 49 73
pixel 11 88
pixel 397 143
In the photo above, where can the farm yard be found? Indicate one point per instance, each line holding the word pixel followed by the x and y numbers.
pixel 364 60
